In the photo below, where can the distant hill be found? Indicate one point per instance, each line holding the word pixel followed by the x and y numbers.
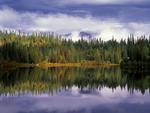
pixel 75 36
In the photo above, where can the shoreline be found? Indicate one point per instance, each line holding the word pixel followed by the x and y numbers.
pixel 47 65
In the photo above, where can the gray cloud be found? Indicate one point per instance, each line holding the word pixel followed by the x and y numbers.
pixel 59 23
pixel 101 1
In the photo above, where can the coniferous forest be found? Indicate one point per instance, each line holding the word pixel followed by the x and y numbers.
pixel 54 49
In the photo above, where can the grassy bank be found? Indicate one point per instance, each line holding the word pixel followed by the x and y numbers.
pixel 47 64
pixel 75 65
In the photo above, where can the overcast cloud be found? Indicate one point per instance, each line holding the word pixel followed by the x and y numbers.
pixel 105 17
pixel 102 1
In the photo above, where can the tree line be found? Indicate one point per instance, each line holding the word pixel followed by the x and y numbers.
pixel 53 48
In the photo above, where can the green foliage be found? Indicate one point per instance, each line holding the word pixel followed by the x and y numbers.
pixel 38 48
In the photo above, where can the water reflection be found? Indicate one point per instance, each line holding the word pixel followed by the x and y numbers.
pixel 38 80
pixel 74 90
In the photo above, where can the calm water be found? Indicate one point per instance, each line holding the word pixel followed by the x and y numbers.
pixel 74 90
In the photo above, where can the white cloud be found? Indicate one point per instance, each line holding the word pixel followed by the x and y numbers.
pixel 8 16
pixel 66 23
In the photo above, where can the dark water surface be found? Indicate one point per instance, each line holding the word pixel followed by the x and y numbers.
pixel 74 90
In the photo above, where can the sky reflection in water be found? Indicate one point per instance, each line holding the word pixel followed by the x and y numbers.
pixel 76 99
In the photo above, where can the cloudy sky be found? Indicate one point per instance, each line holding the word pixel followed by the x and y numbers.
pixel 117 18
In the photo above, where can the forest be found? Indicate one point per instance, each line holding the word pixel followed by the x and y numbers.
pixel 52 48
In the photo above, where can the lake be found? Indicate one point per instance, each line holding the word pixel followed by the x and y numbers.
pixel 74 90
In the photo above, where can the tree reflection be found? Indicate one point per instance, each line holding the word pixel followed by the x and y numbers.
pixel 38 80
